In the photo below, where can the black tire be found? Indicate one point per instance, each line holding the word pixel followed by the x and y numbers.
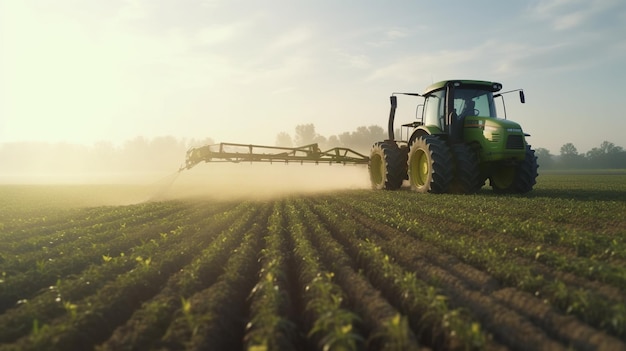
pixel 387 166
pixel 466 177
pixel 527 172
pixel 429 165
pixel 522 177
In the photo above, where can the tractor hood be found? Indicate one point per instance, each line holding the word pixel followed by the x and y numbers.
pixel 500 139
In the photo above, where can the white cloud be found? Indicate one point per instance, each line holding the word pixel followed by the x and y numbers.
pixel 478 61
pixel 356 61
pixel 291 38
pixel 384 37
pixel 572 14
pixel 570 20
pixel 396 33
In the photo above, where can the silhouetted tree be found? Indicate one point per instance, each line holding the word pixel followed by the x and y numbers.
pixel 333 141
pixel 570 157
pixel 284 139
pixel 569 150
pixel 544 158
pixel 363 138
pixel 306 134
pixel 607 156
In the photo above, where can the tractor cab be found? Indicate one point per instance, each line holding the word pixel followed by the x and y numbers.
pixel 464 111
pixel 447 105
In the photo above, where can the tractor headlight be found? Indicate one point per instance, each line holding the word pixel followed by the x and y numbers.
pixel 514 130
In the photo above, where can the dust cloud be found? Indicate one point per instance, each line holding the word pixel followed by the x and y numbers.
pixel 206 181
pixel 147 170
pixel 227 181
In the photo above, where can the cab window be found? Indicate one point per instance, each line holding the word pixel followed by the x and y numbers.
pixel 434 109
pixel 474 102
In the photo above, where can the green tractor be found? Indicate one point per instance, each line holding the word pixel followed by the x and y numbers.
pixel 456 144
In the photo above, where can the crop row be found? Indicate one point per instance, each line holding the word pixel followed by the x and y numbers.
pixel 269 325
pixel 330 324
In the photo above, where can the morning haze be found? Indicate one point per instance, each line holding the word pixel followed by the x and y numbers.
pixel 99 75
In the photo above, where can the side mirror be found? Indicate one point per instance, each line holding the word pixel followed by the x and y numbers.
pixel 522 98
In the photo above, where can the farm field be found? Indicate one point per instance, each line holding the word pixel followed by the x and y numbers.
pixel 343 270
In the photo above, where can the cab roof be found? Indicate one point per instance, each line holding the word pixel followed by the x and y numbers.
pixel 490 86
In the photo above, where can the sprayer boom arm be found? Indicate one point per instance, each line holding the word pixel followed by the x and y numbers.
pixel 229 152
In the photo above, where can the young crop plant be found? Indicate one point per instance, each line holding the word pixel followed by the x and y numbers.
pixel 396 334
pixel 269 327
pixel 217 310
pixel 192 321
pixel 333 325
pixel 330 325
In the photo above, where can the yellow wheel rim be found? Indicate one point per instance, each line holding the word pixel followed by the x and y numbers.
pixel 504 177
pixel 420 168
pixel 377 169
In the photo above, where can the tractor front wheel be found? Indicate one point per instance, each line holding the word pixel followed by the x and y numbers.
pixel 387 166
pixel 429 165
pixel 518 179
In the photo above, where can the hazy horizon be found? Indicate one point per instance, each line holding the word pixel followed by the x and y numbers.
pixel 243 72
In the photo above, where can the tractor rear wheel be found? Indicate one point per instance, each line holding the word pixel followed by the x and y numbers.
pixel 517 179
pixel 466 179
pixel 429 165
pixel 387 166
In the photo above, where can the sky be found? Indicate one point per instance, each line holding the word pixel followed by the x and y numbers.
pixel 85 71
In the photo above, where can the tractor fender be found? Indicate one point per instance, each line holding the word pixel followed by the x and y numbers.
pixel 423 131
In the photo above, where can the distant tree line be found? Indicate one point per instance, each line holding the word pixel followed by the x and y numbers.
pixel 607 155
pixel 165 154
pixel 360 140
pixel 144 155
